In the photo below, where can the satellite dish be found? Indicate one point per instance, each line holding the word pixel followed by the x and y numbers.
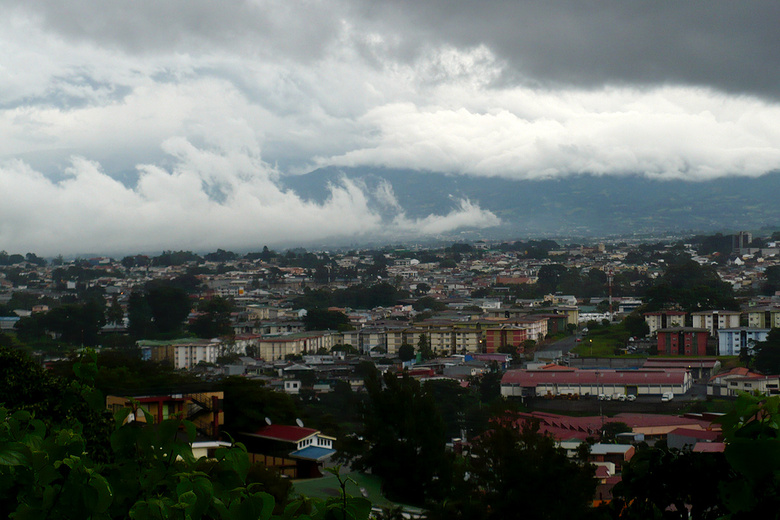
pixel 299 423
pixel 268 421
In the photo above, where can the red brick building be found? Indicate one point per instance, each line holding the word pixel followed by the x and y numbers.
pixel 683 341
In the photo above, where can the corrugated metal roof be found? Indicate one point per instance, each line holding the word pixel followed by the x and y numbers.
pixel 534 378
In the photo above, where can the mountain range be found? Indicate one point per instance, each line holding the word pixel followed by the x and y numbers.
pixel 581 205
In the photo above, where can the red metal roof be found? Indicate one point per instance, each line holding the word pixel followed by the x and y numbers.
pixel 282 432
pixel 533 378
pixel 709 447
pixel 703 435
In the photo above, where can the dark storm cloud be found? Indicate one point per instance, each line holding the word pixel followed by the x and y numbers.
pixel 724 44
pixel 727 45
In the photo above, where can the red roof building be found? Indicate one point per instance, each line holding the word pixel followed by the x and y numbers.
pixel 553 382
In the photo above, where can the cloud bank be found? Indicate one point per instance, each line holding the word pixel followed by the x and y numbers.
pixel 208 199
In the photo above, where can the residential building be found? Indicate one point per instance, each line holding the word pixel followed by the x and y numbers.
pixel 503 336
pixel 295 451
pixel 683 341
pixel 664 320
pixel 714 320
pixel 732 341
pixel 763 318
pixel 204 409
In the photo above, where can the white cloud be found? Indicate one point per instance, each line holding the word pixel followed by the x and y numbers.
pixel 208 199
pixel 681 133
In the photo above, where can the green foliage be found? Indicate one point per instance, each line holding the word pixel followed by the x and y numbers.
pixel 363 296
pixel 692 287
pixel 406 352
pixel 215 321
pixel 406 439
pixel 664 483
pixel 519 473
pixel 159 311
pixel 424 348
pixel 321 319
pixel 428 302
pixel 752 432
pixel 47 470
pixel 248 402
pixel 767 353
pixel 636 325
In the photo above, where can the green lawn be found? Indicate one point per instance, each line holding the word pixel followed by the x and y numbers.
pixel 603 341
pixel 369 486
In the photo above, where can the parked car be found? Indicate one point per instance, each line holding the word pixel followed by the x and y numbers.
pixel 631 397
pixel 667 396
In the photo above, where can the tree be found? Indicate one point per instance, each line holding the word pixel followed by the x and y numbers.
pixel 692 287
pixel 663 483
pixel 636 325
pixel 406 352
pixel 767 353
pixel 423 347
pixel 422 289
pixel 322 319
pixel 169 307
pixel 405 439
pixel 115 314
pixel 549 276
pixel 139 315
pixel 215 320
pixel 511 470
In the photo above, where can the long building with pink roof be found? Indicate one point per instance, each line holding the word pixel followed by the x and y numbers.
pixel 561 381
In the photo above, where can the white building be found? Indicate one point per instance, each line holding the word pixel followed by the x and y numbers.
pixel 715 320
pixel 732 341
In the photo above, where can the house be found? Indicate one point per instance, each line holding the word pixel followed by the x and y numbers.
pixel 203 409
pixel 295 451
pixel 741 379
pixel 681 438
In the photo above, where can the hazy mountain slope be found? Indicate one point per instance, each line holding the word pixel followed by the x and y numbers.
pixel 581 204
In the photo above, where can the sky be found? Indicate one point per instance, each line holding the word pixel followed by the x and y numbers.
pixel 150 125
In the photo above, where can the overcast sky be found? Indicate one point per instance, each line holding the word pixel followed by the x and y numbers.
pixel 150 124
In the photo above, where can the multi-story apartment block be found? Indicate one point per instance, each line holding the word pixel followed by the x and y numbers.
pixel 279 347
pixel 664 320
pixel 505 335
pixel 683 341
pixel 732 341
pixel 763 318
pixel 714 320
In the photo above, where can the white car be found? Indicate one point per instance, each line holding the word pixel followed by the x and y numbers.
pixel 667 396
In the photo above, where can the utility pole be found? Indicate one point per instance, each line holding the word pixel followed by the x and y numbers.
pixel 610 273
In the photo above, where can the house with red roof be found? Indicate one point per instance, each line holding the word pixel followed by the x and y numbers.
pixel 740 379
pixel 681 438
pixel 296 451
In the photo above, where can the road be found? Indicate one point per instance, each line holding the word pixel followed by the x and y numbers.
pixel 564 345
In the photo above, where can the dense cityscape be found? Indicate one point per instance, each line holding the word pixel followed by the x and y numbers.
pixel 433 380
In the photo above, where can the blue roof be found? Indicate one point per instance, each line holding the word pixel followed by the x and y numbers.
pixel 313 453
